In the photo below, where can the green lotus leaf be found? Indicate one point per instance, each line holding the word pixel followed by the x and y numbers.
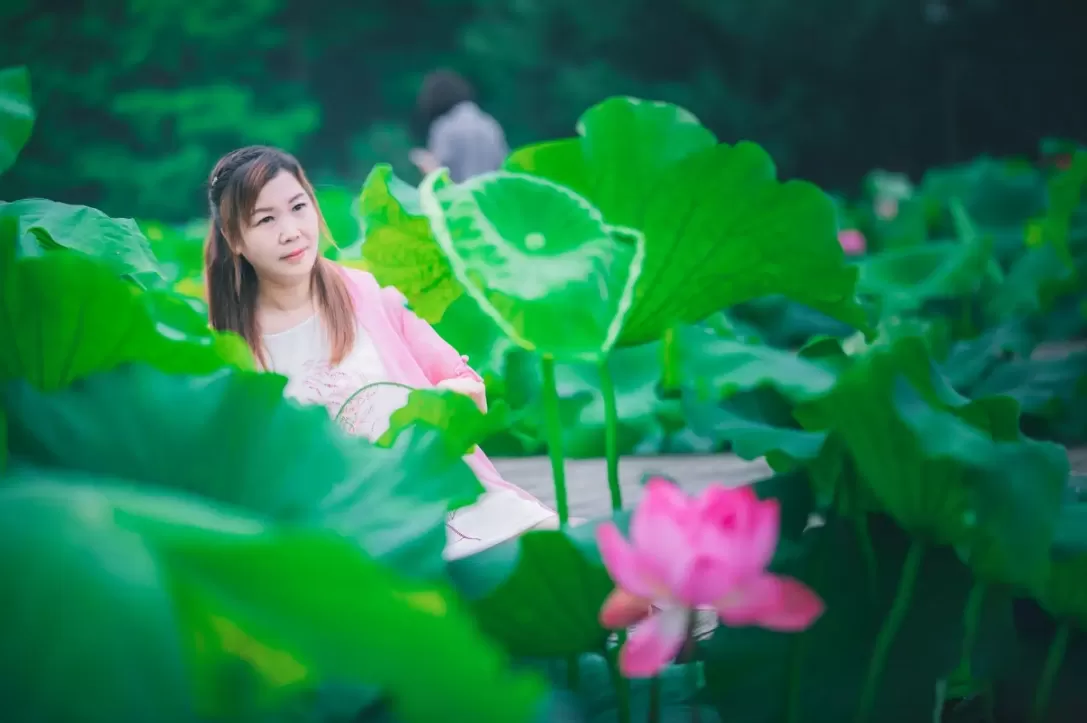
pixel 461 423
pixel 16 114
pixel 188 592
pixel 46 226
pixel 539 594
pixel 399 248
pixel 65 316
pixel 949 469
pixel 538 259
pixel 261 452
pixel 719 228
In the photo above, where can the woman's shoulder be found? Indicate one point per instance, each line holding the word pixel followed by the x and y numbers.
pixel 363 280
pixel 464 117
pixel 366 285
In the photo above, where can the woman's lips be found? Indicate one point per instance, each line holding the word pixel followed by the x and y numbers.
pixel 294 255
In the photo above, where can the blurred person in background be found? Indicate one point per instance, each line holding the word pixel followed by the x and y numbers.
pixel 460 135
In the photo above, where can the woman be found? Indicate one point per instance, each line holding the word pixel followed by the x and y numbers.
pixel 332 331
pixel 460 135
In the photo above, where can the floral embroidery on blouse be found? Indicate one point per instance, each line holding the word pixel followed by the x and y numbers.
pixel 358 404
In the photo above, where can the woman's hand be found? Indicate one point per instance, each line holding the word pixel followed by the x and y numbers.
pixel 424 160
pixel 468 387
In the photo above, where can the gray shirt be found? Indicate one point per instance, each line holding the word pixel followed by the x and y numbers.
pixel 467 141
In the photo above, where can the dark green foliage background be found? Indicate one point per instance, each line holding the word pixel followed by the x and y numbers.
pixel 136 99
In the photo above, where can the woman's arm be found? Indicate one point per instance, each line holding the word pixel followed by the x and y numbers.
pixel 441 363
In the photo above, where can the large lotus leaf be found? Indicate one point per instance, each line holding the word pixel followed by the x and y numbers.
pixel 996 193
pixel 183 591
pixel 752 429
pixel 400 249
pixel 563 162
pixel 396 501
pixel 760 385
pixel 49 226
pixel 784 323
pixel 755 675
pixel 971 360
pixel 234 438
pixel 719 228
pixel 539 594
pixel 179 250
pixel 954 471
pixel 628 144
pixel 636 373
pixel 7 237
pixel 1034 282
pixel 474 334
pixel 178 316
pixel 936 330
pixel 455 416
pixel 229 437
pixel 511 374
pixel 729 326
pixel 65 316
pixel 120 660
pixel 1019 489
pixel 538 259
pixel 3 440
pixel 1042 387
pixel 519 386
pixel 673 695
pixel 903 279
pixel 1063 600
pixel 727 366
pixel 1065 190
pixel 338 207
pixel 673 432
pixel 892 214
pixel 1065 593
pixel 16 114
pixel 724 231
pixel 1015 694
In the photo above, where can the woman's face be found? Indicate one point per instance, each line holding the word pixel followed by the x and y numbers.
pixel 280 237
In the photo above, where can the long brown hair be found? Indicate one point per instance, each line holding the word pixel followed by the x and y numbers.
pixel 233 188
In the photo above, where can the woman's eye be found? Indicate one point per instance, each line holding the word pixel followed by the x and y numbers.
pixel 299 206
pixel 265 220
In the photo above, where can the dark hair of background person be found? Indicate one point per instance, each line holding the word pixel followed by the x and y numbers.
pixel 441 91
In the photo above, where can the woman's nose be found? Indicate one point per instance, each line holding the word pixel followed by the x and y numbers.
pixel 288 231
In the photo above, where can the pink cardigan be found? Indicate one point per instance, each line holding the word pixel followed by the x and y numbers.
pixel 414 354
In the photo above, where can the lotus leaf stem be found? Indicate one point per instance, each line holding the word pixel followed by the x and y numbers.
pixel 670 360
pixel 654 715
pixel 691 658
pixel 1053 661
pixel 611 435
pixel 621 684
pixel 868 551
pixel 889 630
pixel 554 437
pixel 971 622
pixel 816 565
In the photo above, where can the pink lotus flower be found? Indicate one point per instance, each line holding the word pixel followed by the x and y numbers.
pixel 852 241
pixel 710 551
